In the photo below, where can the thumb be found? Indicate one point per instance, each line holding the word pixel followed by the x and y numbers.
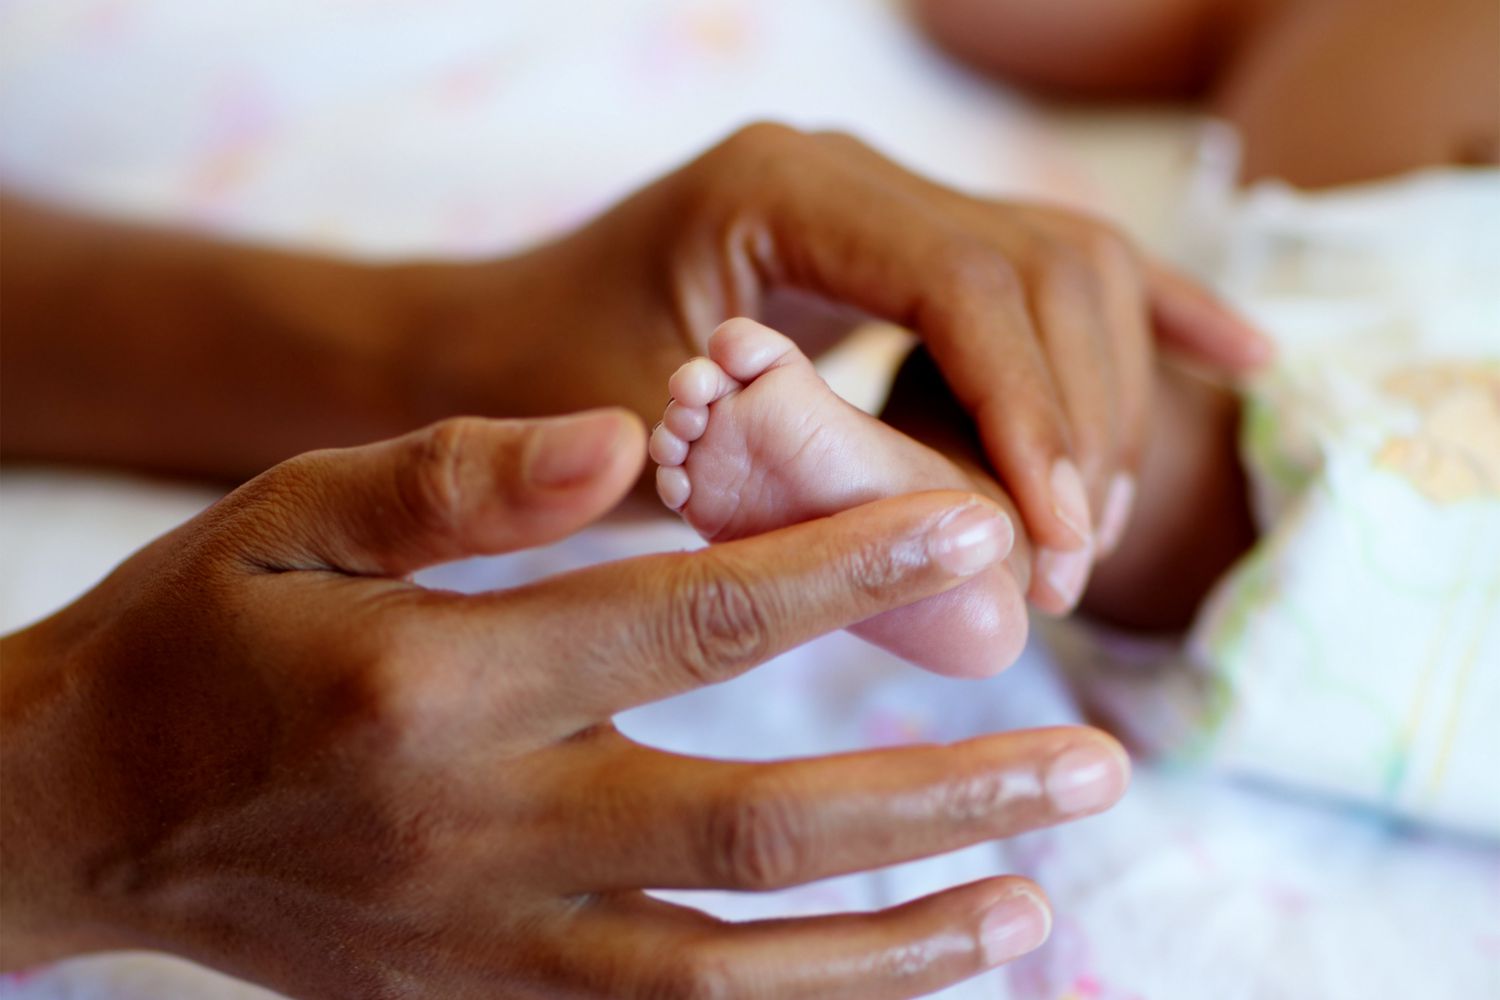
pixel 462 487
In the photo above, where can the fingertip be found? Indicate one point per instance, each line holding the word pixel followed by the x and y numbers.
pixel 1119 500
pixel 1070 501
pixel 1017 923
pixel 582 449
pixel 1088 777
pixel 1196 321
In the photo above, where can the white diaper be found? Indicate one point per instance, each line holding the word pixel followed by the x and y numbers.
pixel 1356 650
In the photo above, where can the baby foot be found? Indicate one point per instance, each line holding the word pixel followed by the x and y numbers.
pixel 754 440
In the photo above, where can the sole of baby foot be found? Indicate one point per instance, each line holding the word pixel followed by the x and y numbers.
pixel 754 440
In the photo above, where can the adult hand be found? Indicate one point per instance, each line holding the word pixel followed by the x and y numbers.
pixel 258 745
pixel 1040 320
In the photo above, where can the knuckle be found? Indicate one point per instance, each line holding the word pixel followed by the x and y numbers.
pixel 717 624
pixel 762 138
pixel 757 838
pixel 971 269
pixel 1103 243
pixel 877 571
pixel 430 476
pixel 695 973
pixel 1068 265
pixel 385 699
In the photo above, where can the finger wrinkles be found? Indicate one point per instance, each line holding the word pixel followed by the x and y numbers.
pixel 982 798
pixel 692 973
pixel 755 837
pixel 433 481
pixel 716 625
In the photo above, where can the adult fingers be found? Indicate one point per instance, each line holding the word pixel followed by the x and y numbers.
pixel 462 487
pixel 799 211
pixel 1069 303
pixel 1190 319
pixel 635 949
pixel 609 637
pixel 646 819
pixel 1135 362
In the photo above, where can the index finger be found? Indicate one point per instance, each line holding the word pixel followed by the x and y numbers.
pixel 607 638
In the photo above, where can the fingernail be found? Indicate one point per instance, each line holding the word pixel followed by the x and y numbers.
pixel 1017 924
pixel 1065 573
pixel 1117 504
pixel 1086 779
pixel 970 538
pixel 571 450
pixel 1070 501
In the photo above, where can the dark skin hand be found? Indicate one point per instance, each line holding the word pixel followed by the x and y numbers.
pixel 259 746
pixel 163 351
pixel 1192 519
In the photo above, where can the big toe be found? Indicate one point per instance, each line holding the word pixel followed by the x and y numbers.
pixel 747 349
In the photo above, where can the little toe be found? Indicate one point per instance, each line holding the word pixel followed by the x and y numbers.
pixel 687 422
pixel 700 382
pixel 746 349
pixel 673 486
pixel 667 448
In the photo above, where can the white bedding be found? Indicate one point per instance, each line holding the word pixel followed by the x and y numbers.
pixel 466 127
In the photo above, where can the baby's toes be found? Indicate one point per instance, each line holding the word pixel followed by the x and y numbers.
pixel 667 448
pixel 746 349
pixel 673 486
pixel 699 383
pixel 687 422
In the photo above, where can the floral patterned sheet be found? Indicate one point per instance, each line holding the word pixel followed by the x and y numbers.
pixel 466 127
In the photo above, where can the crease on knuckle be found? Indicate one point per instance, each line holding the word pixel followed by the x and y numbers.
pixel 718 624
pixel 756 838
pixel 695 973
pixel 876 572
pixel 430 478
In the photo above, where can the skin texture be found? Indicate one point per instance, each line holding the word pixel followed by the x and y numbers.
pixel 759 441
pixel 162 351
pixel 258 745
pixel 1322 92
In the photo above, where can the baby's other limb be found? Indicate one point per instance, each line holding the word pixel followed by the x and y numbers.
pixel 1322 92
pixel 1091 48
pixel 1338 91
pixel 1191 517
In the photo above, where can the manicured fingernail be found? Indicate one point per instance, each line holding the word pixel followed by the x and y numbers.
pixel 1065 573
pixel 970 538
pixel 1017 924
pixel 569 451
pixel 1070 501
pixel 1086 779
pixel 1117 504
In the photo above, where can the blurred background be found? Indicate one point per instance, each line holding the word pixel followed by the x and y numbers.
pixel 467 128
